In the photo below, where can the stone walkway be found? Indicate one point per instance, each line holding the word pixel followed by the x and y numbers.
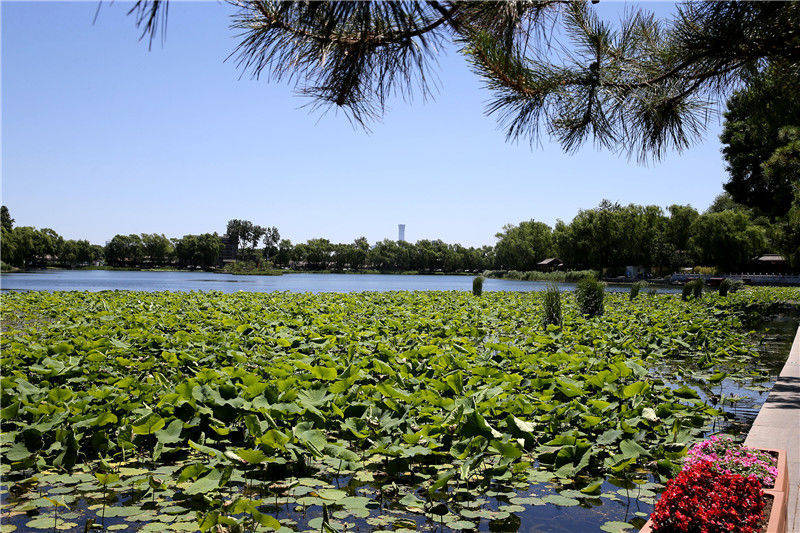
pixel 778 426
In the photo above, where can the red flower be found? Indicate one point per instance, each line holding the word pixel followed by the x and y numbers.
pixel 703 500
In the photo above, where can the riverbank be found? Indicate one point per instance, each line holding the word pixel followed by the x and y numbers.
pixel 262 272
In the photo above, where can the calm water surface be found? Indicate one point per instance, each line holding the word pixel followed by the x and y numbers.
pixel 101 280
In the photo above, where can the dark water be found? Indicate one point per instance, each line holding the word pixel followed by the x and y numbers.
pixel 100 280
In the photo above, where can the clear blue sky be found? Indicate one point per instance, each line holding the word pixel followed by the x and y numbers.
pixel 100 136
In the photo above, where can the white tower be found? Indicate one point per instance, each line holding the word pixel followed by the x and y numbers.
pixel 401 232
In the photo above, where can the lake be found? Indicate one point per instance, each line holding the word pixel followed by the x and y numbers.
pixel 102 280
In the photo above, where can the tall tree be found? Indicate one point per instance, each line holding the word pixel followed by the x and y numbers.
pixel 271 239
pixel 728 239
pixel 680 221
pixel 760 141
pixel 5 219
pixel 521 247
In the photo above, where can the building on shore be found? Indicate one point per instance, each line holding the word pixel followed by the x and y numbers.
pixel 550 264
pixel 771 263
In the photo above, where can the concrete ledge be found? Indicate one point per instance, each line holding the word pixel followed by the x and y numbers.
pixel 778 426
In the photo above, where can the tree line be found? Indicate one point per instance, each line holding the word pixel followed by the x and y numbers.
pixel 156 250
pixel 610 236
pixel 29 247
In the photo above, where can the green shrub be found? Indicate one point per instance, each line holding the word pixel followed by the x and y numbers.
pixel 724 287
pixel 572 276
pixel 706 271
pixel 693 288
pixel 551 303
pixel 515 274
pixel 477 285
pixel 636 287
pixel 697 290
pixel 736 285
pixel 589 292
pixel 559 276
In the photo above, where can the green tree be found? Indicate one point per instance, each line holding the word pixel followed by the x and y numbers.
pixel 680 220
pixel 199 251
pixel 385 255
pixel 271 238
pixel 341 255
pixel 727 240
pixel 788 239
pixel 521 247
pixel 74 253
pixel 48 245
pixel 318 253
pixel 5 219
pixel 157 248
pixel 359 253
pixel 19 249
pixel 612 235
pixel 725 202
pixel 240 231
pixel 125 250
pixel 284 253
pixel 758 145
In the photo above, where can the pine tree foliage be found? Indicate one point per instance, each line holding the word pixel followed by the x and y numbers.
pixel 642 86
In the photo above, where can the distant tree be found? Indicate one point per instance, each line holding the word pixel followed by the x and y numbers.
pixel 758 124
pixel 158 249
pixel 199 251
pixel 5 219
pixel 256 234
pixel 359 253
pixel 425 255
pixel 48 245
pixel 271 239
pixel 386 255
pixel 318 253
pixel 74 253
pixel 8 247
pixel 20 246
pixel 341 255
pixel 240 231
pixel 521 247
pixel 284 254
pixel 209 250
pixel 725 202
pixel 728 239
pixel 124 250
pixel 612 235
pixel 299 252
pixel 677 227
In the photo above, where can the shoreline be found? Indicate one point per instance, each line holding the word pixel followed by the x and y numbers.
pixel 535 276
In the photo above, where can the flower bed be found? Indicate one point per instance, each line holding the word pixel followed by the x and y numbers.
pixel 724 487
pixel 703 498
pixel 730 458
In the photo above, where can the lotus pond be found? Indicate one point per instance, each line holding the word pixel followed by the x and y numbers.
pixel 400 411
